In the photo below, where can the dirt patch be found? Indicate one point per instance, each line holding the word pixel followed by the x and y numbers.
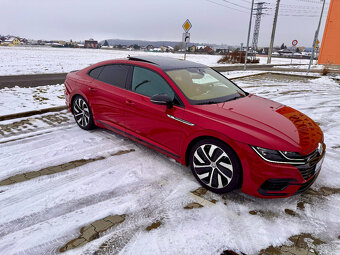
pixel 230 252
pixel 288 92
pixel 300 205
pixel 290 212
pixel 199 192
pixel 55 169
pixel 192 206
pixel 265 214
pixel 310 195
pixel 204 197
pixel 154 225
pixel 278 77
pixel 35 123
pixel 302 244
pixel 327 191
pixel 92 231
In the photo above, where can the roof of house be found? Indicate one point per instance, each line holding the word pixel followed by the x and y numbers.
pixel 10 39
pixel 166 63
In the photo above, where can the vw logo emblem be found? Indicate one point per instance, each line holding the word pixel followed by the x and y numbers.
pixel 320 148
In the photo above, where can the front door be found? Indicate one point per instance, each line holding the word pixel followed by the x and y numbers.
pixel 156 123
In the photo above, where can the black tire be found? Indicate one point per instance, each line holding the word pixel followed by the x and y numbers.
pixel 82 113
pixel 215 166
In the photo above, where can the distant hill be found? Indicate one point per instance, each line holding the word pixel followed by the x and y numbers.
pixel 146 43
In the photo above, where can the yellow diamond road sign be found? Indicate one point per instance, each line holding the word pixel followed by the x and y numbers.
pixel 187 25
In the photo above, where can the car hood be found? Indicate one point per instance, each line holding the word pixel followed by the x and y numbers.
pixel 261 122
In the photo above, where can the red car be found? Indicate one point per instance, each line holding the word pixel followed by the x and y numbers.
pixel 192 113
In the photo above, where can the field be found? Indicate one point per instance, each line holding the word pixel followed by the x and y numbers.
pixel 30 60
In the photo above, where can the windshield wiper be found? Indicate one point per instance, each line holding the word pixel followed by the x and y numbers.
pixel 209 102
pixel 231 99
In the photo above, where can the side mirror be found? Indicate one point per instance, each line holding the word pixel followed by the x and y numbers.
pixel 162 99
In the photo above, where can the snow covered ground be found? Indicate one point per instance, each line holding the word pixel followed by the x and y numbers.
pixel 31 60
pixel 40 215
pixel 18 99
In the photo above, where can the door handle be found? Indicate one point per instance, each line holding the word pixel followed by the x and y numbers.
pixel 92 89
pixel 129 102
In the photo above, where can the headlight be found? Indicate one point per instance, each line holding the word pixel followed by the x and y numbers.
pixel 282 157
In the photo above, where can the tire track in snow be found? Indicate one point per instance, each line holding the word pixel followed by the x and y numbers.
pixel 66 177
pixel 135 223
pixel 55 169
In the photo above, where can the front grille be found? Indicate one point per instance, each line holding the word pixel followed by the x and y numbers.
pixel 306 185
pixel 308 170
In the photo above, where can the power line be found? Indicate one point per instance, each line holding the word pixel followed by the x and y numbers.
pixel 297 15
pixel 310 1
pixel 235 4
pixel 248 2
pixel 227 6
pixel 300 6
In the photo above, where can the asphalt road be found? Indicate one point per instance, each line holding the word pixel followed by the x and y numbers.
pixel 32 80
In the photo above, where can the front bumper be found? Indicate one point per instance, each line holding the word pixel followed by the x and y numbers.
pixel 271 180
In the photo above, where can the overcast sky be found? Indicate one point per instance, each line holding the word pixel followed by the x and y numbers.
pixel 214 21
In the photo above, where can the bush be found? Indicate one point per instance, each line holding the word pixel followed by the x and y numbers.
pixel 325 71
pixel 236 57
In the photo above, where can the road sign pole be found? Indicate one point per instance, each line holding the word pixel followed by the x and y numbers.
pixel 251 17
pixel 294 43
pixel 291 60
pixel 316 37
pixel 186 36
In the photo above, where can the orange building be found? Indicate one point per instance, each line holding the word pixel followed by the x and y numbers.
pixel 330 47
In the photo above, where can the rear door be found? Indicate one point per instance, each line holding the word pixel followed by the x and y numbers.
pixel 151 122
pixel 108 93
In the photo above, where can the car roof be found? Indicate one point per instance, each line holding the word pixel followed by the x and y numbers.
pixel 166 63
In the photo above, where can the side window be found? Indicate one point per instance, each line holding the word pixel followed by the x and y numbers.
pixel 94 73
pixel 114 75
pixel 149 83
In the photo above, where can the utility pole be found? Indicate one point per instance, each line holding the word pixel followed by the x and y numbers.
pixel 259 9
pixel 269 60
pixel 251 17
pixel 316 37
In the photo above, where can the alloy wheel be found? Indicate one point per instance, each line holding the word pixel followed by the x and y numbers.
pixel 81 112
pixel 213 166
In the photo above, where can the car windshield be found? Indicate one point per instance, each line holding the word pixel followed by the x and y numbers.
pixel 205 86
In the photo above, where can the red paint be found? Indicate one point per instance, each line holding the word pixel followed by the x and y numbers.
pixel 250 120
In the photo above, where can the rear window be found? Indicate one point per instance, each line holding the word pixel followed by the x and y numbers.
pixel 94 73
pixel 114 75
